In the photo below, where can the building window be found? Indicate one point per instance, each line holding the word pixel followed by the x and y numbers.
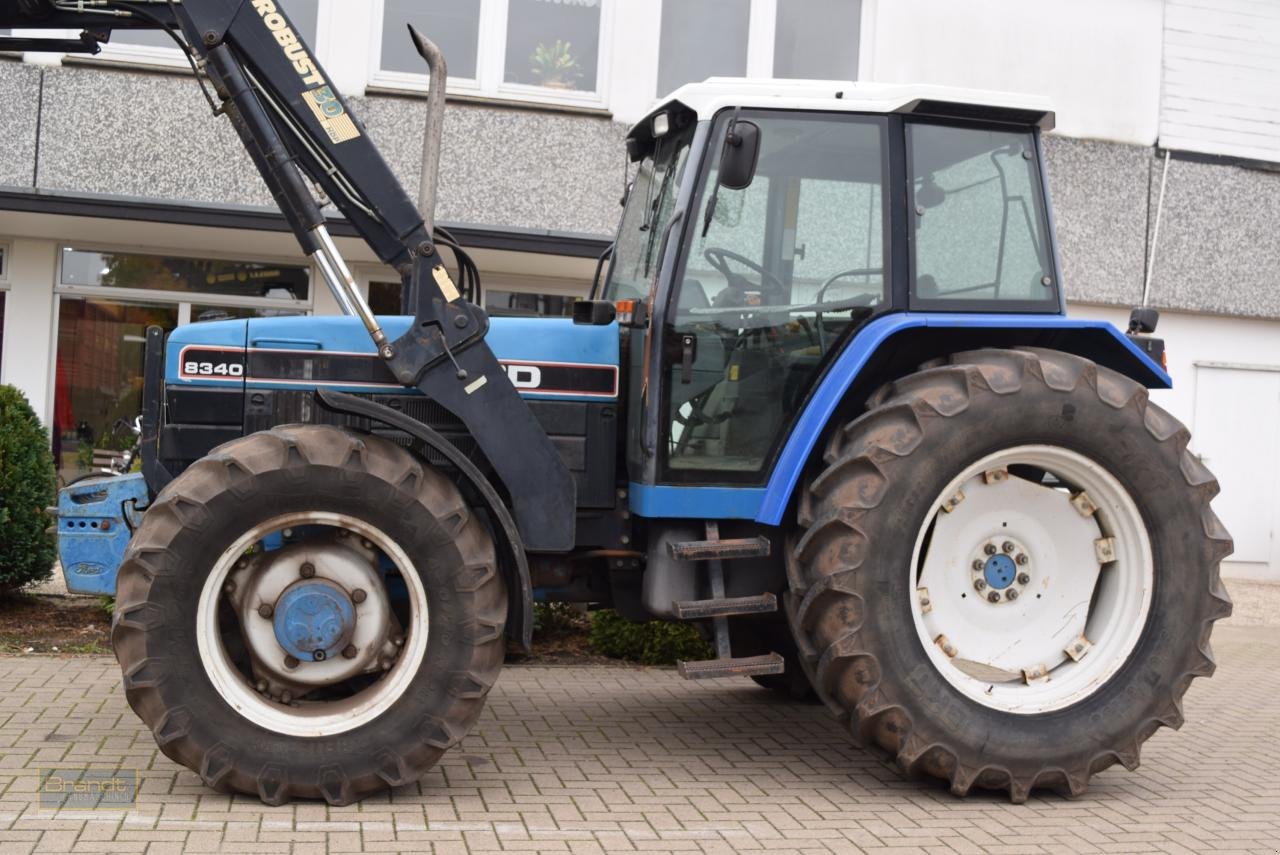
pixel 533 50
pixel 247 283
pixel 803 46
pixel 99 378
pixel 687 55
pixel 158 48
pixel 807 39
pixel 454 25
pixel 521 304
pixel 384 297
pixel 106 301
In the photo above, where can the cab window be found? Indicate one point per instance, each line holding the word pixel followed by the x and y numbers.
pixel 978 218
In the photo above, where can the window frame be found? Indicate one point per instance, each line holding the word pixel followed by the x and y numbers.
pixel 6 259
pixel 491 55
pixel 1052 305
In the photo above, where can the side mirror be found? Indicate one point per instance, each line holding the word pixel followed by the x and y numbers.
pixel 741 153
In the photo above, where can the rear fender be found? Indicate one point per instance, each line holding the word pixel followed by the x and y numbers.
pixel 894 345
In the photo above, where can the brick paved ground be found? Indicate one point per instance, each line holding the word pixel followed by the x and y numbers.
pixel 617 759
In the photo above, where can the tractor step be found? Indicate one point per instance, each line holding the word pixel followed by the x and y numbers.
pixel 702 609
pixel 719 550
pixel 747 666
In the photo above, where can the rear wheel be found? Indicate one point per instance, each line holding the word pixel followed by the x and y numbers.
pixel 309 612
pixel 1007 572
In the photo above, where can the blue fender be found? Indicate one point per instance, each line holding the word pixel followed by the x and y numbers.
pixel 1095 340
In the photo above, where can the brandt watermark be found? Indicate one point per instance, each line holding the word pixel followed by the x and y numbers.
pixel 88 789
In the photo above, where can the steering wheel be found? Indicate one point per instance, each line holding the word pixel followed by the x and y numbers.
pixel 738 284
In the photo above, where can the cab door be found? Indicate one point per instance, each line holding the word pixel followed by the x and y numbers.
pixel 770 279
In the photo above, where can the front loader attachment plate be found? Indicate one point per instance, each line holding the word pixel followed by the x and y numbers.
pixel 95 522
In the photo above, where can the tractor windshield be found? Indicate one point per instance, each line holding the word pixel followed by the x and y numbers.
pixel 651 200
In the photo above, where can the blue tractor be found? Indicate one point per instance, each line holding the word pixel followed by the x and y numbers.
pixel 825 403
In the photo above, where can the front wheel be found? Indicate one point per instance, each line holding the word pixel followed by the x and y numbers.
pixel 309 612
pixel 1007 572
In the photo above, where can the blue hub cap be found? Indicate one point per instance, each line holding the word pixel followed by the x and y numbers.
pixel 1000 571
pixel 314 620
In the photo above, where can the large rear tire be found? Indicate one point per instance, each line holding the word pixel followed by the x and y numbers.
pixel 297 538
pixel 942 526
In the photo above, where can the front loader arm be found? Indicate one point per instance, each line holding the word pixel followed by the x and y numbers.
pixel 296 127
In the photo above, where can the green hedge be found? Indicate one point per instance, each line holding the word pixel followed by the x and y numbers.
pixel 28 485
pixel 655 642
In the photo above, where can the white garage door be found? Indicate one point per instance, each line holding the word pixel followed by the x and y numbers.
pixel 1235 433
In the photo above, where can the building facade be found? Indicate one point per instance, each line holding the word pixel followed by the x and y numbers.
pixel 124 203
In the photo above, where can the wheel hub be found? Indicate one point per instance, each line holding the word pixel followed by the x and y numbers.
pixel 999 571
pixel 314 620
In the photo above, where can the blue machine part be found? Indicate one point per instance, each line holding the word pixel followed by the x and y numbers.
pixel 546 358
pixel 999 571
pixel 768 505
pixel 314 620
pixel 95 522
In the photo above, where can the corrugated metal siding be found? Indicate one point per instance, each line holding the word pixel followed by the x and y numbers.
pixel 1221 90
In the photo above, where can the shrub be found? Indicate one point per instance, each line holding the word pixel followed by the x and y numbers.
pixel 558 619
pixel 655 642
pixel 28 485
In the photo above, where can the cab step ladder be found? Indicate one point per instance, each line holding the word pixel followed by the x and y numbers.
pixel 720 608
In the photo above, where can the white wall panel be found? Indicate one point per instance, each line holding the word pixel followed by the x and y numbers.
pixel 1221 78
pixel 1099 60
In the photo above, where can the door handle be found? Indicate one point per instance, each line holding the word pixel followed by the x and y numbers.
pixel 688 353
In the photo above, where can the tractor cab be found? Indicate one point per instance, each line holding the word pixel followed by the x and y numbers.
pixel 765 226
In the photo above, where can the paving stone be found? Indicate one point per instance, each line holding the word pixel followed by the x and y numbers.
pixel 616 759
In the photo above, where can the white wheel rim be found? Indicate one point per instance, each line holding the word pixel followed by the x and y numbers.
pixel 1078 610
pixel 324 718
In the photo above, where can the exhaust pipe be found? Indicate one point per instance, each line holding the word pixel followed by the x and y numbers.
pixel 439 76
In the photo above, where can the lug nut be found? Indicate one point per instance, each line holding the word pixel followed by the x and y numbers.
pixel 230 587
pixel 290 662
pixel 286 697
pixel 319 656
pixel 1011 594
pixel 1022 558
pixel 307 570
pixel 1007 546
pixel 1024 578
pixel 367 544
pixel 261 686
pixel 979 584
pixel 990 549
pixel 349 652
pixel 265 610
pixel 358 596
pixel 977 566
pixel 399 641
pixel 993 597
pixel 288 532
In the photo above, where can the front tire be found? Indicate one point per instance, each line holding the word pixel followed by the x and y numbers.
pixel 309 612
pixel 904 617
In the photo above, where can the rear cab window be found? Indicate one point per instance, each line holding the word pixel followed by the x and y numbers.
pixel 978 222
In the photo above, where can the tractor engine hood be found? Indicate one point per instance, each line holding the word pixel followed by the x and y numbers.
pixel 546 358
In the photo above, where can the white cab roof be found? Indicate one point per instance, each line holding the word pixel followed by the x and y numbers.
pixel 717 93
